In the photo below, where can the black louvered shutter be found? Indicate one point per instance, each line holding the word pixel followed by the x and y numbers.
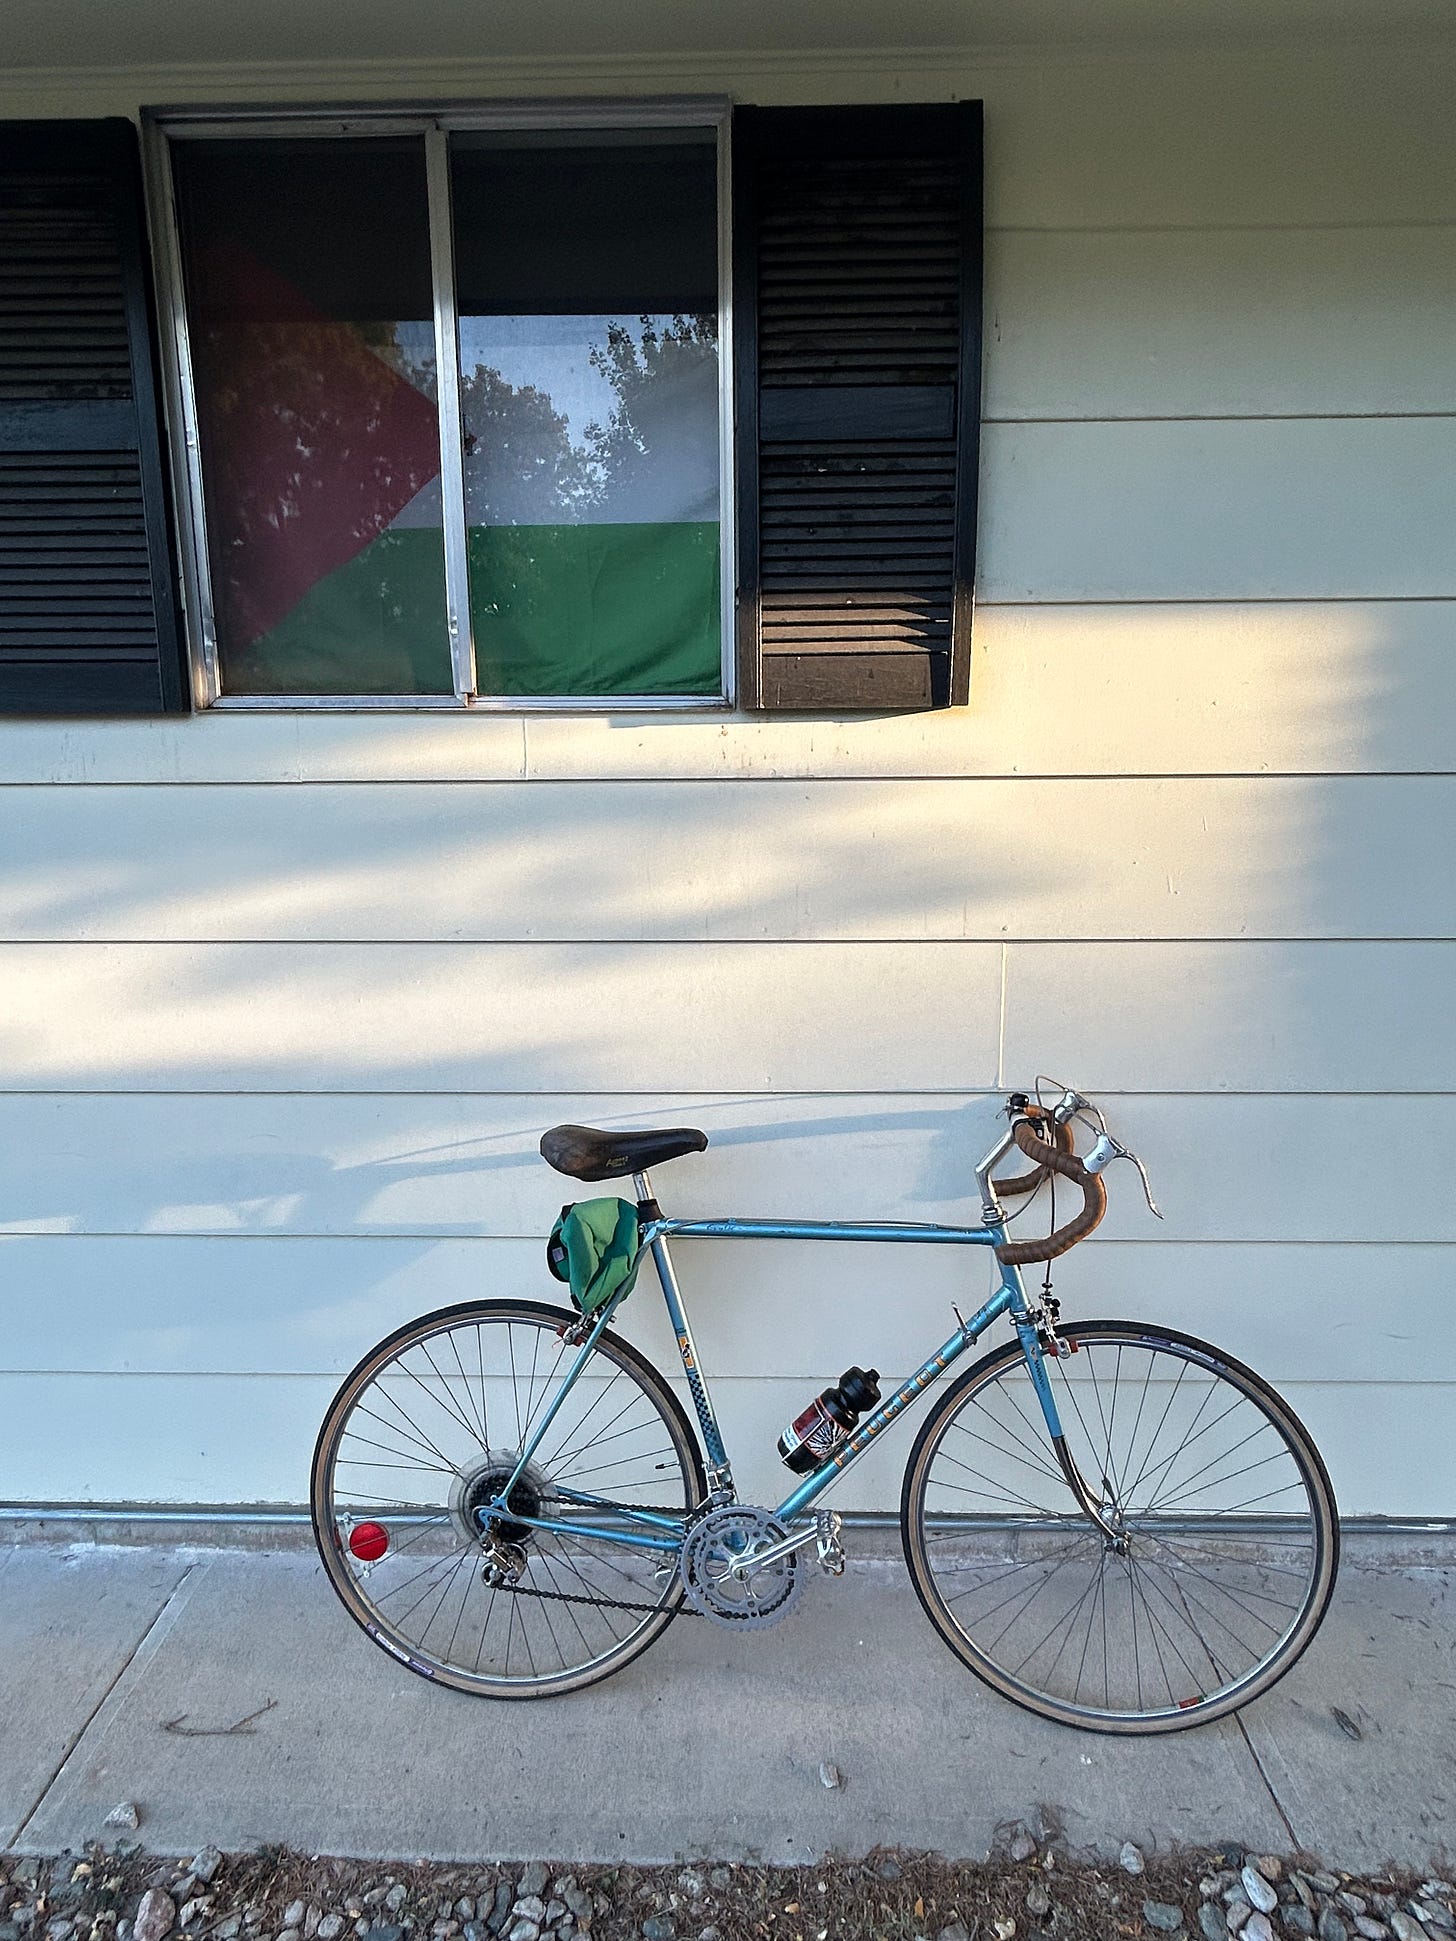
pixel 88 621
pixel 857 318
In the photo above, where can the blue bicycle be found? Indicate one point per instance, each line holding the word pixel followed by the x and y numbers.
pixel 1113 1524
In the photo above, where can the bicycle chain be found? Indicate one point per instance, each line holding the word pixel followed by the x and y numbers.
pixel 597 1603
pixel 681 1609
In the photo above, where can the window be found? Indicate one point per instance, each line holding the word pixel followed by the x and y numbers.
pixel 587 289
pixel 311 330
pixel 547 525
pixel 535 408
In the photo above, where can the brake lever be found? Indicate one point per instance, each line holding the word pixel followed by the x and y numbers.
pixel 1105 1149
pixel 1125 1152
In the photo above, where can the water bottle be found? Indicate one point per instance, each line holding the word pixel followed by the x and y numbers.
pixel 830 1419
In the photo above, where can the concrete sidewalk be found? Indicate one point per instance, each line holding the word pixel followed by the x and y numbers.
pixel 227 1694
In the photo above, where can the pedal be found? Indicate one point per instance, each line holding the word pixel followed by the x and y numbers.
pixel 828 1548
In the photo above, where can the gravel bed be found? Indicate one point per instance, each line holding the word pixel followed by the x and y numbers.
pixel 1028 1889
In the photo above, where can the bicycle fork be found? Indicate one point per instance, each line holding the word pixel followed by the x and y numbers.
pixel 1091 1503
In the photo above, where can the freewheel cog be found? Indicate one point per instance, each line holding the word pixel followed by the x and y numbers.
pixel 721 1579
pixel 473 1489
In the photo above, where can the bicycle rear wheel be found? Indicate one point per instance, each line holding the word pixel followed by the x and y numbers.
pixel 1227 1541
pixel 428 1429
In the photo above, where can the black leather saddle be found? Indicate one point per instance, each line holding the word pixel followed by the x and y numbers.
pixel 585 1153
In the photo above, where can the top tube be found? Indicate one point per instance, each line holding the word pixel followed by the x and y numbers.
pixel 891 1231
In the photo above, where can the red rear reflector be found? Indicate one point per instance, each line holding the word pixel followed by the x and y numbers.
pixel 369 1541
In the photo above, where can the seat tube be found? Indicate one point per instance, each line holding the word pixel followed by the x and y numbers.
pixel 720 1473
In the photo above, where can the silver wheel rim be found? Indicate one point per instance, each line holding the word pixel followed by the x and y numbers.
pixel 424 1430
pixel 1225 1563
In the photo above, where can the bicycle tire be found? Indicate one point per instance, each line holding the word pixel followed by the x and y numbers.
pixel 1169 1536
pixel 458 1415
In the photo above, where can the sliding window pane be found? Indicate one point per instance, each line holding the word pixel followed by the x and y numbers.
pixel 587 284
pixel 309 302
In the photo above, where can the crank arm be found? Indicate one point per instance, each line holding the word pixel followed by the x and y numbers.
pixel 755 1560
pixel 825 1533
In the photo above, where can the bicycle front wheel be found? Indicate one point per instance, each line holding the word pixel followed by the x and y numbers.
pixel 1224 1538
pixel 428 1430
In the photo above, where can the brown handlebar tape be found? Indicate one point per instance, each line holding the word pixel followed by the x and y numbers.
pixel 1054 1159
pixel 1028 1182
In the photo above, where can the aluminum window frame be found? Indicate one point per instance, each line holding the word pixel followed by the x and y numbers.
pixel 435 123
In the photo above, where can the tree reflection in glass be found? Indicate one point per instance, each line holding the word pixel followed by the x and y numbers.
pixel 590 420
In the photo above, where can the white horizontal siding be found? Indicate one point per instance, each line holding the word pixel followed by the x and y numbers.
pixel 1225 1169
pixel 1177 857
pixel 1212 509
pixel 1220 323
pixel 1311 1017
pixel 1284 138
pixel 499 1017
pixel 1127 690
pixel 1190 844
pixel 224 1305
pixel 247 1439
pixel 1237 1017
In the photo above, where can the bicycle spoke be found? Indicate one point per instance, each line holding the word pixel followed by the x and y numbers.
pixel 414 1434
pixel 1185 1483
pixel 1193 1434
pixel 1134 1485
pixel 1113 1626
pixel 1108 1468
pixel 1014 1496
pixel 1069 1614
pixel 1034 1455
pixel 447 1399
pixel 484 1409
pixel 560 1454
pixel 478 1419
pixel 478 1590
pixel 1034 1440
pixel 1153 1629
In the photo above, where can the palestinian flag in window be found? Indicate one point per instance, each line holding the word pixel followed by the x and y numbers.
pixel 321 460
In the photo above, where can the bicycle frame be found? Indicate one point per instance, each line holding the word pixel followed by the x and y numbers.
pixel 654 1531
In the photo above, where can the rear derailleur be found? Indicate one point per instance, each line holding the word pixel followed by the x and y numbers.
pixel 504 1563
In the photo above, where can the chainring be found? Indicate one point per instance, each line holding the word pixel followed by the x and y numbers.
pixel 760 1596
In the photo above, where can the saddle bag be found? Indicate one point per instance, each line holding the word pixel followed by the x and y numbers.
pixel 595 1247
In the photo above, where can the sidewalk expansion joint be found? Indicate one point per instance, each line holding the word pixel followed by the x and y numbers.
pixel 157 1623
pixel 1295 1843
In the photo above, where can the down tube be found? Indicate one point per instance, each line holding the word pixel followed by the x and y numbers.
pixel 1008 1297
